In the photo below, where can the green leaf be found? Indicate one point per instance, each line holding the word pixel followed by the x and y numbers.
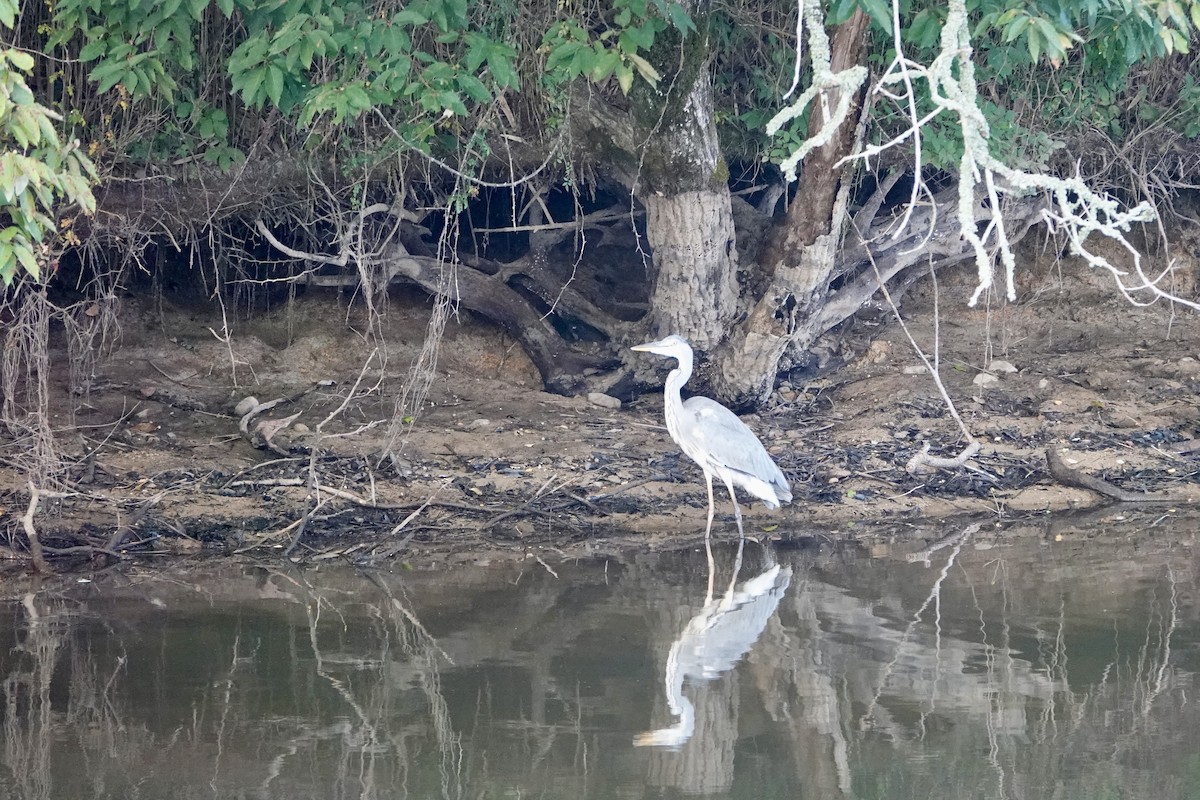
pixel 250 86
pixel 25 256
pixel 637 36
pixel 625 78
pixel 680 18
pixel 478 48
pixel 645 69
pixel 605 65
pixel 22 61
pixel 1034 41
pixel 452 101
pixel 226 7
pixel 474 88
pixel 357 98
pixel 274 84
pixel 1016 28
pixel 107 75
pixel 880 12
pixel 1181 42
pixel 502 70
pixel 8 14
pixel 410 16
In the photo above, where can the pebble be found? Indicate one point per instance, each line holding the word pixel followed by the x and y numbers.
pixel 300 427
pixel 985 379
pixel 479 424
pixel 246 405
pixel 914 369
pixel 1002 366
pixel 603 400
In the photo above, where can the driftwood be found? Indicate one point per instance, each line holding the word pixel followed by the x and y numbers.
pixel 1069 476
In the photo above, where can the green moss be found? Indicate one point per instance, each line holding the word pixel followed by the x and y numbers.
pixel 720 175
pixel 662 106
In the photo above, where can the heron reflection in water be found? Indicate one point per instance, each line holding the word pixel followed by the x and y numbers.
pixel 714 641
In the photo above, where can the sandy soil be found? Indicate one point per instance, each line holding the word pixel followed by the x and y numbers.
pixel 493 465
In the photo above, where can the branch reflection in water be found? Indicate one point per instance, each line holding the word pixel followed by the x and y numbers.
pixel 1029 658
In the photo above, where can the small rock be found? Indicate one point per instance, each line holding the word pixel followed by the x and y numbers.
pixel 1188 365
pixel 246 405
pixel 1001 367
pixel 914 369
pixel 300 427
pixel 603 400
pixel 787 395
pixel 985 379
pixel 1044 383
pixel 479 424
pixel 877 352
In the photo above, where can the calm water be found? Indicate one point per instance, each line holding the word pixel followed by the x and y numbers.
pixel 1050 659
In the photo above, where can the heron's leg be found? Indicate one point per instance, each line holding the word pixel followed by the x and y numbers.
pixel 711 505
pixel 737 567
pixel 737 510
pixel 712 567
pixel 737 514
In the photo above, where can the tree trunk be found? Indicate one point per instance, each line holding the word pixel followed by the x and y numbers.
pixel 689 222
pixel 670 156
pixel 800 255
pixel 695 292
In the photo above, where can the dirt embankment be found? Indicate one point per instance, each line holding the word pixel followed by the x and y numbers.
pixel 493 464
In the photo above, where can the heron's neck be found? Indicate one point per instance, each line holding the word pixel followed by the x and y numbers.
pixel 673 401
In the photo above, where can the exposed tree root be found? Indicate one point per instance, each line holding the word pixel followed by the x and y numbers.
pixel 1069 476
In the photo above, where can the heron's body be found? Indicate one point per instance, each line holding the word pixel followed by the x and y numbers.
pixel 715 438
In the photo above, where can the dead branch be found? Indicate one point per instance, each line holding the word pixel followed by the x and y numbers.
pixel 1068 476
pixel 35 544
pixel 922 461
pixel 127 527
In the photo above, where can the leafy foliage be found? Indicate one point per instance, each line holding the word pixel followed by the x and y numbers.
pixel 37 170
pixel 430 67
pixel 1054 69
pixel 185 80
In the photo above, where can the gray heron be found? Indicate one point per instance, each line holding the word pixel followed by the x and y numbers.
pixel 715 438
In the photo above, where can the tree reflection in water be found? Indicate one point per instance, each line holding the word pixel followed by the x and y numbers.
pixel 1032 658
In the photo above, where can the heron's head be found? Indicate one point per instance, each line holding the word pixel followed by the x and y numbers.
pixel 673 346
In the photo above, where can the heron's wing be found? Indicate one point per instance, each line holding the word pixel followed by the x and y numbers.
pixel 716 436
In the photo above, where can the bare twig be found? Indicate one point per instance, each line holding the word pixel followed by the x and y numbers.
pixel 35 544
pixel 923 459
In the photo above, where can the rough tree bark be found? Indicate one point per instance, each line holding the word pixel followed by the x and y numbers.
pixel 662 143
pixel 801 253
pixel 689 223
